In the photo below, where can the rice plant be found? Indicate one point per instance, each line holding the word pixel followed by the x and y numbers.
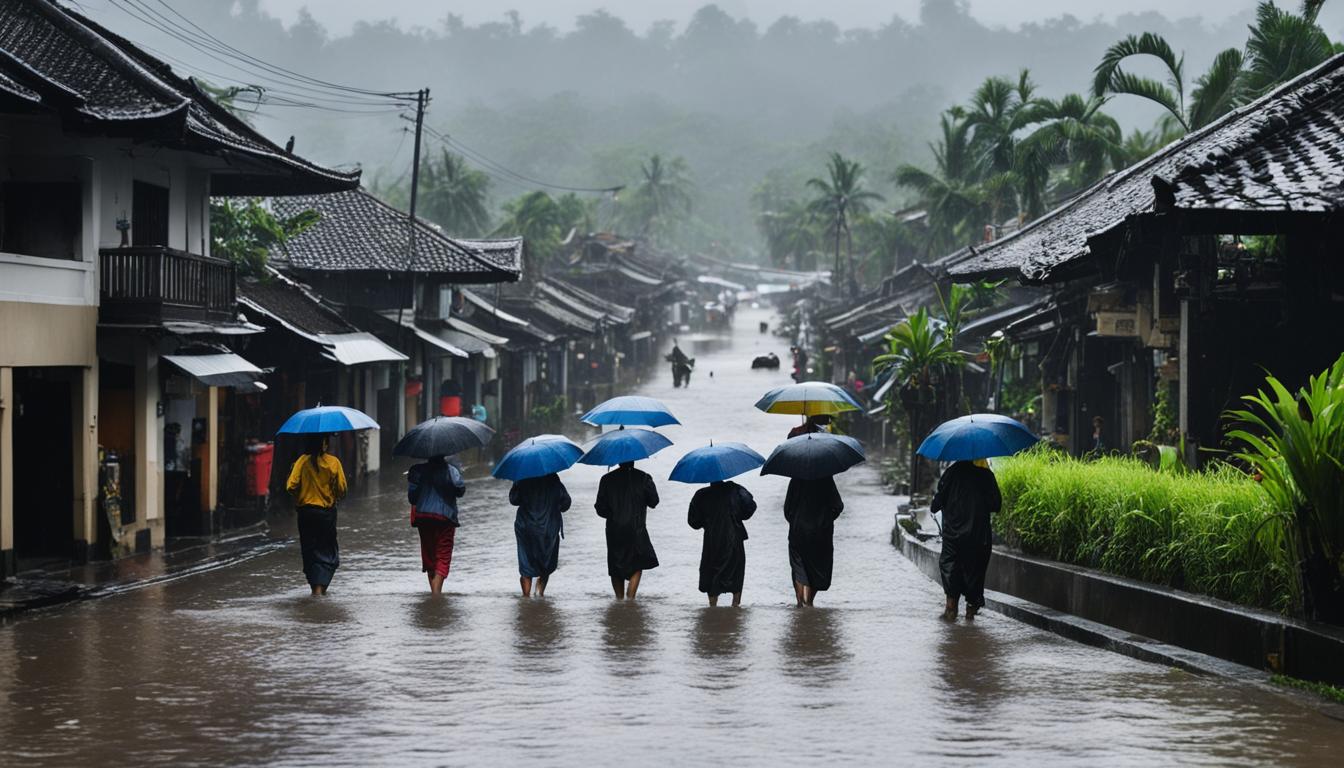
pixel 1216 533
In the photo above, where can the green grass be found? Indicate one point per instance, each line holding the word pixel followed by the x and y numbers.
pixel 1323 690
pixel 1215 533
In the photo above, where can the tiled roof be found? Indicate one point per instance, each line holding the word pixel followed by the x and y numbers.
pixel 99 81
pixel 1281 152
pixel 505 253
pixel 358 232
pixel 285 300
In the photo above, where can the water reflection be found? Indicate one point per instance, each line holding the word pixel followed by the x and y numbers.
pixel 969 664
pixel 538 626
pixel 718 633
pixel 319 611
pixel 814 645
pixel 626 639
pixel 434 614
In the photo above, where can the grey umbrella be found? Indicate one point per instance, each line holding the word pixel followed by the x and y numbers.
pixel 443 436
pixel 813 456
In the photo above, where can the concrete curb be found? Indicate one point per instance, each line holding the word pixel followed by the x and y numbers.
pixel 1098 635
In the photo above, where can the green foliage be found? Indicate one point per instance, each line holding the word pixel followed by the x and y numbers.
pixel 661 200
pixel 1296 445
pixel 454 195
pixel 548 417
pixel 1217 533
pixel 919 351
pixel 1166 423
pixel 1324 690
pixel 543 221
pixel 245 232
pixel 838 199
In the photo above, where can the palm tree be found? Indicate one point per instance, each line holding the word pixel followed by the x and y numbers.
pixel 948 194
pixel 455 196
pixel 1216 92
pixel 1283 45
pixel 664 192
pixel 537 219
pixel 1074 133
pixel 840 198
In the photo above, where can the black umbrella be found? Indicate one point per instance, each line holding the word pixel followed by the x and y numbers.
pixel 443 436
pixel 813 456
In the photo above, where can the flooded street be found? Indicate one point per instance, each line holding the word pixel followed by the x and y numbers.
pixel 240 665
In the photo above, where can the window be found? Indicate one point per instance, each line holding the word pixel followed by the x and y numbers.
pixel 149 214
pixel 40 218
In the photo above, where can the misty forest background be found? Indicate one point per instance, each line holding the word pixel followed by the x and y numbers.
pixel 740 116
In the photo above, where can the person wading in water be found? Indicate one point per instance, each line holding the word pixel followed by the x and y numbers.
pixel 967 495
pixel 317 482
pixel 624 498
pixel 433 489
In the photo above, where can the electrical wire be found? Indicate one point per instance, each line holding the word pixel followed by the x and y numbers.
pixel 497 169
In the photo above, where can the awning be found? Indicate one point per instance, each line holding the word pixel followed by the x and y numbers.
pixel 435 341
pixel 640 336
pixel 494 311
pixel 639 277
pixel 358 349
pixel 458 324
pixel 466 341
pixel 719 281
pixel 184 328
pixel 220 370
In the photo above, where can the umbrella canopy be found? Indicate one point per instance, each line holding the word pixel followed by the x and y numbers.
pixel 813 456
pixel 537 457
pixel 809 398
pixel 631 410
pixel 443 436
pixel 623 445
pixel 716 462
pixel 978 436
pixel 324 419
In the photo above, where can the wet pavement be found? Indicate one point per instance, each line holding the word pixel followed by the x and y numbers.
pixel 239 665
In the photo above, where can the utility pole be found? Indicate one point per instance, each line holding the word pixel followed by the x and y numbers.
pixel 421 100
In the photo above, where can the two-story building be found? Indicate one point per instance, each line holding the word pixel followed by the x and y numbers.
pixel 114 318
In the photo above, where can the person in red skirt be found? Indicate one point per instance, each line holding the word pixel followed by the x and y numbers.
pixel 433 489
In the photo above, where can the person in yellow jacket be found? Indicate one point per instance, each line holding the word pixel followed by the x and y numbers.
pixel 317 482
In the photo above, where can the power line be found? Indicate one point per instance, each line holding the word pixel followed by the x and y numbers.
pixel 495 168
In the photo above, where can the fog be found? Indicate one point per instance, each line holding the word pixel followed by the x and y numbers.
pixel 578 98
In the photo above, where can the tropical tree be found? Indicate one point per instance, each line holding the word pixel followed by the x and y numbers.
pixel 839 198
pixel 543 221
pixel 1072 134
pixel 246 232
pixel 948 194
pixel 662 196
pixel 454 195
pixel 1283 45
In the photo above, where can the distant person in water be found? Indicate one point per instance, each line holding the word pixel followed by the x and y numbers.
pixel 317 482
pixel 433 489
pixel 967 495
pixel 818 423
pixel 811 507
pixel 538 528
pixel 624 498
pixel 719 510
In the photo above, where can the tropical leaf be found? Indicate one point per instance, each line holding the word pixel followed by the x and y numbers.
pixel 1218 91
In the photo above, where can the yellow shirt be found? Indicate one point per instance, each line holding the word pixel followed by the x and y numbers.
pixel 316 482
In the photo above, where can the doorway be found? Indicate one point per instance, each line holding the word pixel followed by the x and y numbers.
pixel 44 523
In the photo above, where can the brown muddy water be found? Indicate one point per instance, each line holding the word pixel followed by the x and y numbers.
pixel 241 666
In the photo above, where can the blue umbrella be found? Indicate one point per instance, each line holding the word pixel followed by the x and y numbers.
pixel 814 456
pixel 631 410
pixel 716 462
pixel 324 419
pixel 537 457
pixel 624 445
pixel 978 436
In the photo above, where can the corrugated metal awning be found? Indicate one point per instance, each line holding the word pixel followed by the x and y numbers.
pixel 640 336
pixel 224 369
pixel 458 324
pixel 358 349
pixel 494 311
pixel 468 342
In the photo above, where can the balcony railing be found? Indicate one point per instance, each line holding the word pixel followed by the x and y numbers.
pixel 154 283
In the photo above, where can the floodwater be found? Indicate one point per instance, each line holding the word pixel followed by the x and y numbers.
pixel 241 666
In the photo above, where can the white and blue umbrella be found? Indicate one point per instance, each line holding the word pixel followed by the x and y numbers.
pixel 630 411
pixel 814 456
pixel 713 463
pixel 537 457
pixel 325 419
pixel 978 436
pixel 623 445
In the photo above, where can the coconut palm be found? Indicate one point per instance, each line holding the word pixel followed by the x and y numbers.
pixel 454 195
pixel 1073 133
pixel 537 219
pixel 839 198
pixel 1283 45
pixel 1216 91
pixel 948 193
pixel 663 193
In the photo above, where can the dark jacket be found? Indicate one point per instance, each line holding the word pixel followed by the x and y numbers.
pixel 433 489
pixel 967 495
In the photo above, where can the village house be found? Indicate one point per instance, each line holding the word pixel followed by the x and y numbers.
pixel 117 320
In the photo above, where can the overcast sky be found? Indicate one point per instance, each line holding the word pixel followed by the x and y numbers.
pixel 338 15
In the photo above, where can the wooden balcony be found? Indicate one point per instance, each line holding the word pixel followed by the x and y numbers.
pixel 151 284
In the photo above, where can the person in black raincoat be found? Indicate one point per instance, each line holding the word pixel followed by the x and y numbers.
pixel 811 507
pixel 542 502
pixel 967 495
pixel 719 509
pixel 624 498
